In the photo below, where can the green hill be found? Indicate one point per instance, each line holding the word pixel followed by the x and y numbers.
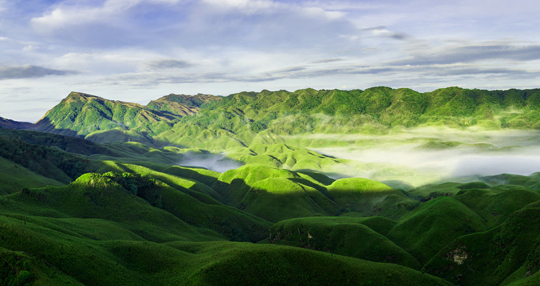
pixel 427 229
pixel 14 177
pixel 342 235
pixel 81 114
pixel 103 201
pixel 95 231
pixel 245 118
pixel 368 198
pixel 505 254
pixel 244 264
pixel 12 124
pixel 50 162
pixel 181 104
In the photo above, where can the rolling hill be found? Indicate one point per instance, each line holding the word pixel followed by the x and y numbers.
pixel 93 194
pixel 247 118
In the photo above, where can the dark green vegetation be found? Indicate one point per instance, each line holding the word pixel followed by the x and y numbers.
pixel 116 210
pixel 161 225
pixel 11 124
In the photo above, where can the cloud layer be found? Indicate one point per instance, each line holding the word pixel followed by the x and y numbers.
pixel 141 49
pixel 29 71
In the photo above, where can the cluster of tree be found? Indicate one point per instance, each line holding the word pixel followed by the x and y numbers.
pixel 15 270
pixel 50 162
pixel 69 144
pixel 137 184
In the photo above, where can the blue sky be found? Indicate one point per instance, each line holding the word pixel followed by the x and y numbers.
pixel 139 50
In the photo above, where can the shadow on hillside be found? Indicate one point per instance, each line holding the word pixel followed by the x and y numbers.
pixel 310 199
pixel 15 125
pixel 106 136
pixel 45 125
pixel 67 143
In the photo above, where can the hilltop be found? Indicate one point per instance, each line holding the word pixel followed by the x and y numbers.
pixel 116 197
pixel 103 120
pixel 12 124
pixel 181 104
pixel 245 118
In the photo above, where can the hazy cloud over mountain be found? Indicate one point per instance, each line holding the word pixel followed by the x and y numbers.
pixel 168 64
pixel 142 49
pixel 29 71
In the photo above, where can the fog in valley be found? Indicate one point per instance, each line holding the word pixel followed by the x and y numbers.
pixel 411 157
pixel 423 156
pixel 214 162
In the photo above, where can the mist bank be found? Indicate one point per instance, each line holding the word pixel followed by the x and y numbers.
pixel 470 135
pixel 428 155
pixel 215 162
pixel 411 157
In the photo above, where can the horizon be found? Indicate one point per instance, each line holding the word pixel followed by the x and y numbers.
pixel 145 104
pixel 137 50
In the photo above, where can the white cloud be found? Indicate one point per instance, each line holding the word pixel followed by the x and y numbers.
pixel 68 16
pixel 29 48
pixel 111 62
pixel 3 6
pixel 329 14
pixel 232 45
pixel 247 6
pixel 268 6
pixel 64 15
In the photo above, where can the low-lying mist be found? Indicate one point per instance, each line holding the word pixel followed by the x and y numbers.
pixel 214 162
pixel 430 155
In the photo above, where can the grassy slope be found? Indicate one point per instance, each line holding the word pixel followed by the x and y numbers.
pixel 82 114
pixel 183 195
pixel 247 118
pixel 422 233
pixel 497 204
pixel 14 177
pixel 123 240
pixel 258 117
pixel 505 254
pixel 434 224
pixel 181 104
pixel 50 162
pixel 369 197
pixel 344 236
pixel 277 265
pixel 276 199
pixel 97 210
pixel 277 194
pixel 282 155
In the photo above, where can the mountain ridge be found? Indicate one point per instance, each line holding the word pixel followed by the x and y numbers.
pixel 12 124
pixel 236 120
pixel 124 213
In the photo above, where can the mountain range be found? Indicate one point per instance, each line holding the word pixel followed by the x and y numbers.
pixel 104 192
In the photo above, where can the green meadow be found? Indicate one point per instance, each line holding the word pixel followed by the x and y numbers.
pixel 376 187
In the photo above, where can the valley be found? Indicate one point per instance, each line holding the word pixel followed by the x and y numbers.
pixel 313 187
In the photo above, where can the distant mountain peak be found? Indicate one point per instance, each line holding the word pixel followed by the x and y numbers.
pixel 80 95
pixel 182 104
pixel 12 124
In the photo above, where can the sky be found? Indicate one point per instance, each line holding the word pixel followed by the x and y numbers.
pixel 140 50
